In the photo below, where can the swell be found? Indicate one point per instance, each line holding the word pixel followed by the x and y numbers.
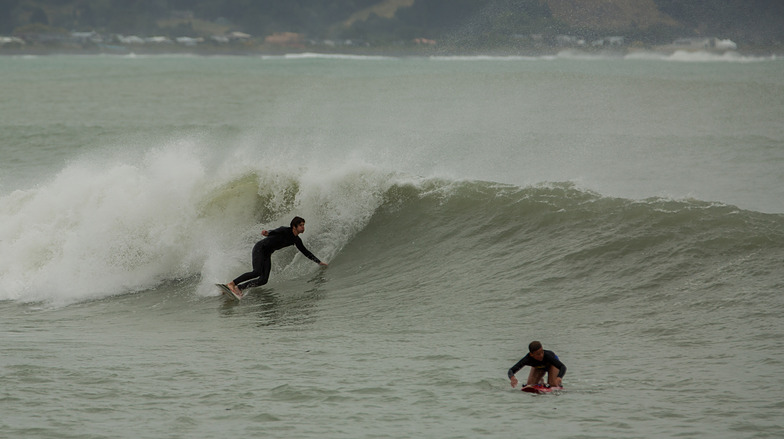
pixel 559 238
pixel 98 231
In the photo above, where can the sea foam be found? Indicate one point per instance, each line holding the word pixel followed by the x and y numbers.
pixel 105 227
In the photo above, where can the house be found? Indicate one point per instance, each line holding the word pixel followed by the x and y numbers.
pixel 569 40
pixel 702 43
pixel 286 39
pixel 11 41
pixel 87 37
pixel 131 39
pixel 613 41
pixel 188 41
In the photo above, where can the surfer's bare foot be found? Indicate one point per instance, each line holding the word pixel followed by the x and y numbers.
pixel 233 287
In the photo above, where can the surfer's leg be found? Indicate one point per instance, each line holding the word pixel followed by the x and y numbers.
pixel 233 285
pixel 552 374
pixel 257 258
pixel 535 377
pixel 262 265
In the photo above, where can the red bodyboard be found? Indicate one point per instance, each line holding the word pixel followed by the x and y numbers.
pixel 540 389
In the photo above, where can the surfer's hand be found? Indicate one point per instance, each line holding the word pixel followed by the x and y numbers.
pixel 264 233
pixel 513 381
pixel 323 264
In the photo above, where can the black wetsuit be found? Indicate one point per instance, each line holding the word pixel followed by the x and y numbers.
pixel 550 359
pixel 262 252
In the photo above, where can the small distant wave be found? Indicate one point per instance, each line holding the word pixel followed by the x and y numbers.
pixel 338 56
pixel 698 56
pixel 579 55
pixel 489 58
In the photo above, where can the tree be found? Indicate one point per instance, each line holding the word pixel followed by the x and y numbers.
pixel 6 18
pixel 39 17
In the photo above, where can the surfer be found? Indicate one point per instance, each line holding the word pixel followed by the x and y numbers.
pixel 541 362
pixel 262 264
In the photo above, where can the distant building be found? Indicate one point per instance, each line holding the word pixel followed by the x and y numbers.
pixel 188 41
pixel 131 39
pixel 614 41
pixel 726 45
pixel 158 40
pixel 424 42
pixel 11 41
pixel 87 37
pixel 703 43
pixel 285 39
pixel 569 40
pixel 238 36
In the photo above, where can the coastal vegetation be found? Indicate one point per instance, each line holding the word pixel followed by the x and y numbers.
pixel 445 25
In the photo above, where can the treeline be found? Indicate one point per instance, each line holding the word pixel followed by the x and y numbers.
pixel 464 22
pixel 461 23
pixel 752 21
pixel 142 16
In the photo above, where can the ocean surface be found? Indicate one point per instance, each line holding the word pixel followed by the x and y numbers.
pixel 628 212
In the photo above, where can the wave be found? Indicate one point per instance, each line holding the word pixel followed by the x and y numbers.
pixel 580 55
pixel 490 57
pixel 103 227
pixel 114 225
pixel 560 233
pixel 334 56
pixel 568 54
pixel 699 56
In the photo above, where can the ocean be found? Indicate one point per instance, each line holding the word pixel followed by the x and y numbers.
pixel 628 212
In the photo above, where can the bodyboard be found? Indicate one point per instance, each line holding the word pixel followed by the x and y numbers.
pixel 540 389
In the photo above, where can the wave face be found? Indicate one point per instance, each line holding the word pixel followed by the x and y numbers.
pixel 112 227
pixel 559 238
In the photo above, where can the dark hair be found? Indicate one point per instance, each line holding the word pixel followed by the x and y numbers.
pixel 297 221
pixel 534 346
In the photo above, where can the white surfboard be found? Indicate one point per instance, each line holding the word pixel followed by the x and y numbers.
pixel 228 292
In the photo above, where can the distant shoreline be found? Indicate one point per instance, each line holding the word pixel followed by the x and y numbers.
pixel 388 51
pixel 566 53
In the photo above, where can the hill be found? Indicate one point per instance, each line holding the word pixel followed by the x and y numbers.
pixel 610 15
pixel 456 23
pixel 384 9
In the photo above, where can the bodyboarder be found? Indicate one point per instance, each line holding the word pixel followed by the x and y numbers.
pixel 542 362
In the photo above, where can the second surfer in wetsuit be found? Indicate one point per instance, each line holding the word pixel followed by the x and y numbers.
pixel 541 362
pixel 262 252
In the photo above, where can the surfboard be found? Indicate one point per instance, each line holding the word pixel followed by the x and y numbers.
pixel 541 389
pixel 228 292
